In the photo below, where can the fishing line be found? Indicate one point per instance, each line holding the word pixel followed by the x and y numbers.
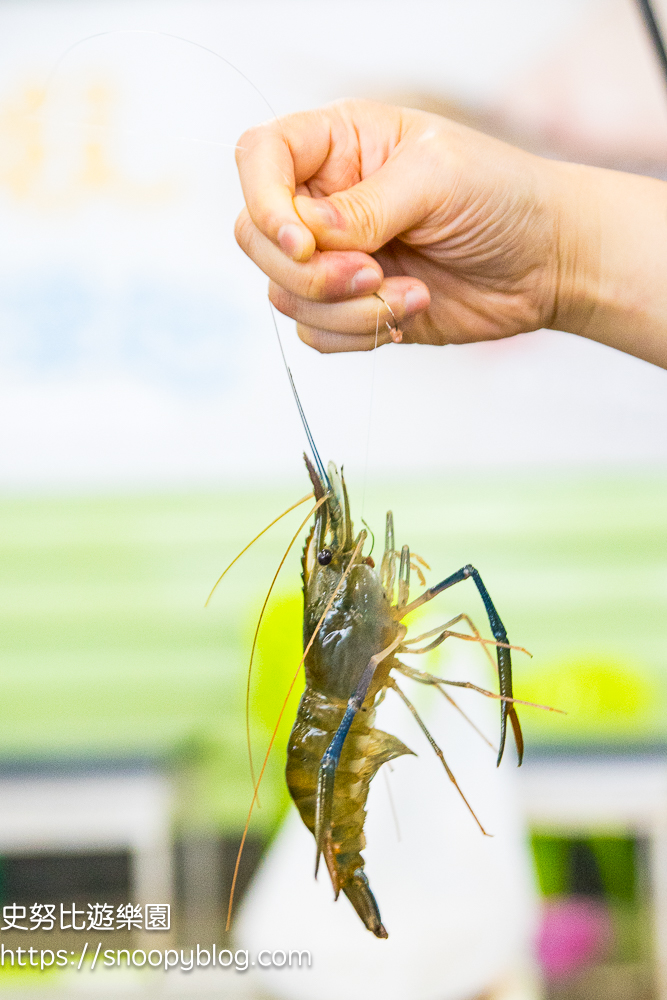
pixel 391 801
pixel 394 332
pixel 395 336
pixel 309 436
pixel 163 34
pixel 133 132
pixel 217 55
pixel 370 412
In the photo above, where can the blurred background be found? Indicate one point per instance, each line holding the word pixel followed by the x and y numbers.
pixel 148 432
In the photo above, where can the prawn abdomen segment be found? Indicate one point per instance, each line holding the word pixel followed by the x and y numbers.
pixel 366 749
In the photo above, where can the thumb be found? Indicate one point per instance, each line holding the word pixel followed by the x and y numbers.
pixel 372 212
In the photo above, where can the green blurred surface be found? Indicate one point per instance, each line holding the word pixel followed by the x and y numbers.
pixel 619 878
pixel 108 652
pixel 613 859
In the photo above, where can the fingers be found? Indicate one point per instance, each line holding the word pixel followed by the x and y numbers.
pixel 403 176
pixel 371 213
pixel 327 342
pixel 358 324
pixel 401 298
pixel 354 158
pixel 324 277
pixel 272 159
pixel 324 190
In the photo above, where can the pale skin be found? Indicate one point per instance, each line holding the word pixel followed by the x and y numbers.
pixel 464 237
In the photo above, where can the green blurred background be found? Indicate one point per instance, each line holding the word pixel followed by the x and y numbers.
pixel 108 651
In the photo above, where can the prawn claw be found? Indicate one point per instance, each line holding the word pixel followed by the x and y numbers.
pixel 324 805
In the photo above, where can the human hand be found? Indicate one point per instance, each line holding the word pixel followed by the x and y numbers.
pixel 460 234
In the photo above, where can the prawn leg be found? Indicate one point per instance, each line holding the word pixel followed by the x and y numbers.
pixel 443 632
pixel 423 678
pixel 406 701
pixel 388 567
pixel 502 649
pixel 439 682
pixel 327 772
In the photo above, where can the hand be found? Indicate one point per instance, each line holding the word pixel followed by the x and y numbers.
pixel 457 232
pixel 463 237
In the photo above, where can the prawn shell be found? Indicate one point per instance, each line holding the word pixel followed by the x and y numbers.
pixel 366 750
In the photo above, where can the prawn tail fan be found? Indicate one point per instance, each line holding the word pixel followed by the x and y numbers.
pixel 359 893
pixel 383 748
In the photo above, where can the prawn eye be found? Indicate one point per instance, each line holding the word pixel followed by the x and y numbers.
pixel 324 557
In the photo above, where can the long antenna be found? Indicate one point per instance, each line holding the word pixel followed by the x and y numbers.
pixel 654 31
pixel 311 441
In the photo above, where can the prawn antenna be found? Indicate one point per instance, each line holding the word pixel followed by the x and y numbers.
pixel 256 635
pixel 310 642
pixel 311 441
pixel 308 496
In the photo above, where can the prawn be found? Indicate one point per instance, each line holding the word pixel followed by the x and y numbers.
pixel 353 631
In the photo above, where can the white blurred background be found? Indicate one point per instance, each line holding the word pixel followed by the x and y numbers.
pixel 137 347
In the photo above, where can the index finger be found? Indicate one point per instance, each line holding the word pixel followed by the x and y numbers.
pixel 272 158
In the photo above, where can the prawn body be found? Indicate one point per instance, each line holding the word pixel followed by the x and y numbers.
pixel 334 751
pixel 357 625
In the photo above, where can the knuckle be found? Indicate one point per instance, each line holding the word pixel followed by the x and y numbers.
pixel 352 108
pixel 314 285
pixel 243 230
pixel 366 215
pixel 266 221
pixel 244 144
pixel 319 340
pixel 250 138
pixel 284 301
pixel 266 216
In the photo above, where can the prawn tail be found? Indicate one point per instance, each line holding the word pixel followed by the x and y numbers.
pixel 332 802
pixel 358 891
pixel 382 747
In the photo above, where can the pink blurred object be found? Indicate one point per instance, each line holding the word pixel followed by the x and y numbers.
pixel 598 96
pixel 574 932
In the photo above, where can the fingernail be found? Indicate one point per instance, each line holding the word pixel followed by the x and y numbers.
pixel 364 280
pixel 415 299
pixel 326 212
pixel 290 240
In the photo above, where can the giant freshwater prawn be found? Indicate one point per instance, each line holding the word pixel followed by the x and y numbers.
pixel 353 634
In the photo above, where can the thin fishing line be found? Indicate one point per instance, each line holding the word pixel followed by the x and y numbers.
pixel 311 441
pixel 391 801
pixel 164 34
pixel 217 55
pixel 133 132
pixel 178 38
pixel 370 412
pixel 392 329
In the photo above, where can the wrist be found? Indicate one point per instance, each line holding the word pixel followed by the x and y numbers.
pixel 612 260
